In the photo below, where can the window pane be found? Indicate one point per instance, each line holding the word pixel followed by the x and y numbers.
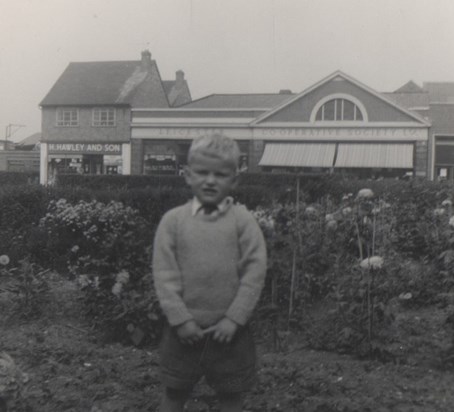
pixel 329 110
pixel 319 115
pixel 349 110
pixel 338 107
pixel 359 115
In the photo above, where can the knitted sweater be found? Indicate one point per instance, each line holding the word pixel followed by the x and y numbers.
pixel 206 267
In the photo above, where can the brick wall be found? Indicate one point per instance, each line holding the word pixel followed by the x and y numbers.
pixel 85 132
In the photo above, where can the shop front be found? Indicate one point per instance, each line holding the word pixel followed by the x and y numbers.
pixel 83 158
pixel 168 156
pixel 338 125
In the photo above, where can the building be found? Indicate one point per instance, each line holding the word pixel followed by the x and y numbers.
pixel 14 157
pixel 121 117
pixel 86 115
pixel 338 125
pixel 435 102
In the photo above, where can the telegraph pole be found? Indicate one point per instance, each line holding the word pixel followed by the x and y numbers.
pixel 10 130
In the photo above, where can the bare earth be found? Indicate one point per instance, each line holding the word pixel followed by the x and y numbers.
pixel 68 369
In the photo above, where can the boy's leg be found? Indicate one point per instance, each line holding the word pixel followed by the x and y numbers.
pixel 173 400
pixel 230 402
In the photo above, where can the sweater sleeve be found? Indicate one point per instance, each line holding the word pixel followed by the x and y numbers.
pixel 166 272
pixel 252 268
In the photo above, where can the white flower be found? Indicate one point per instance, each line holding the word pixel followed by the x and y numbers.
pixel 451 221
pixel 376 210
pixel 439 211
pixel 365 194
pixel 116 289
pixel 329 217
pixel 75 249
pixel 446 202
pixel 331 225
pixel 346 211
pixel 4 260
pixel 405 296
pixel 310 210
pixel 374 262
pixel 122 277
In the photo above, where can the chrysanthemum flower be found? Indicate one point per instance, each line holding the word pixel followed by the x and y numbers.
pixel 365 194
pixel 122 277
pixel 346 211
pixel 439 211
pixel 4 260
pixel 331 225
pixel 446 203
pixel 374 262
pixel 329 217
pixel 310 210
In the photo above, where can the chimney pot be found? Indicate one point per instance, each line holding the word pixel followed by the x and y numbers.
pixel 146 58
pixel 179 78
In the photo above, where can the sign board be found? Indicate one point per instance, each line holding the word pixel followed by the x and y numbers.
pixel 85 148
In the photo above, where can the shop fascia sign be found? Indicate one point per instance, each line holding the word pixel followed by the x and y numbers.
pixel 85 148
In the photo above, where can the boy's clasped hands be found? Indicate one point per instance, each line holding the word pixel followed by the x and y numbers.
pixel 223 331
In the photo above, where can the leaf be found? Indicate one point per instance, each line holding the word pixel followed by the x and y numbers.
pixel 137 336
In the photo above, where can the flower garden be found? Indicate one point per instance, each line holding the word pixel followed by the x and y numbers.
pixel 359 286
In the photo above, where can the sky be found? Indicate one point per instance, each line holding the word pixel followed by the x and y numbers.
pixel 223 46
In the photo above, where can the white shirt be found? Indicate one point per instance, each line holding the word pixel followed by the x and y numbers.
pixel 225 203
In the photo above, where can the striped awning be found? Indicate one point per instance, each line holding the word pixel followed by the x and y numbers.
pixel 298 154
pixel 371 155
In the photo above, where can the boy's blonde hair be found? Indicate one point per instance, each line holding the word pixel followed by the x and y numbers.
pixel 219 146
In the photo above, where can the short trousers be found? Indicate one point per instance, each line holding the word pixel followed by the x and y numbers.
pixel 227 367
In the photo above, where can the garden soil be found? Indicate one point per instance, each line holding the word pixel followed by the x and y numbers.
pixel 65 366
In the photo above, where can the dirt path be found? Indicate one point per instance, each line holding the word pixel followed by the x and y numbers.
pixel 70 370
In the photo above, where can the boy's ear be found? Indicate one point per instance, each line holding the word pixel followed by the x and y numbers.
pixel 236 178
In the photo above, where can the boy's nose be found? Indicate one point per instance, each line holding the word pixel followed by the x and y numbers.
pixel 210 178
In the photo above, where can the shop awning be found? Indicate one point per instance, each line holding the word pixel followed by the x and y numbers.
pixel 298 154
pixel 399 156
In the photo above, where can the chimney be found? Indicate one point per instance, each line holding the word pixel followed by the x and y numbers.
pixel 285 91
pixel 179 79
pixel 146 59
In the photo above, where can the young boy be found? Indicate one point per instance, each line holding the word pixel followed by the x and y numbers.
pixel 209 265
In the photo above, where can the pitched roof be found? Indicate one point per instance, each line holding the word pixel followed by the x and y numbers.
pixel 440 92
pixel 338 75
pixel 409 87
pixel 409 100
pixel 92 83
pixel 239 101
pixel 113 83
pixel 30 140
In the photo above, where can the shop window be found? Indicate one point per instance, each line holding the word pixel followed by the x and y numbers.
pixel 67 117
pixel 103 117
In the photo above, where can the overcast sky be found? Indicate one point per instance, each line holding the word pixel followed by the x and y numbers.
pixel 223 46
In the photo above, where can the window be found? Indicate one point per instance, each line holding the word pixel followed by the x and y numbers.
pixel 67 117
pixel 103 117
pixel 339 110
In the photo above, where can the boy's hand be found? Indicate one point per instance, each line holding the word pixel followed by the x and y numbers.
pixel 223 331
pixel 189 332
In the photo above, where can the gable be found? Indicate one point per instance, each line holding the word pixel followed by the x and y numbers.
pixel 376 108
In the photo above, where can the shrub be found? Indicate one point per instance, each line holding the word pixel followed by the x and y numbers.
pixel 107 247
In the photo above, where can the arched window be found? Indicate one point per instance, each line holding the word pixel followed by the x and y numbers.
pixel 339 109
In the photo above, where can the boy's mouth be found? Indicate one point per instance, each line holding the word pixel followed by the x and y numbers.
pixel 209 191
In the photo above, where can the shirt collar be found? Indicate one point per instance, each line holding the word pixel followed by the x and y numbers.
pixel 222 206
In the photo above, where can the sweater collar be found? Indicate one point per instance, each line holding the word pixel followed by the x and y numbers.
pixel 221 208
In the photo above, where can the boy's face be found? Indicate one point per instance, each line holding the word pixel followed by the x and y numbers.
pixel 210 178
